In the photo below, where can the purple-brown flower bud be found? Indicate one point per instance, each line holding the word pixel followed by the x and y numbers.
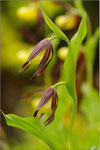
pixel 49 94
pixel 42 45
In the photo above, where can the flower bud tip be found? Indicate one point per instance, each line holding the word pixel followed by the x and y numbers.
pixel 19 70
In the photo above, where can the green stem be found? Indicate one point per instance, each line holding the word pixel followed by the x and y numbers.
pixel 53 37
pixel 59 83
pixel 47 78
pixel 72 115
pixel 90 73
pixel 72 121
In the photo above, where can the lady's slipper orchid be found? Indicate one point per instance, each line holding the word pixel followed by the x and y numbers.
pixel 49 94
pixel 45 45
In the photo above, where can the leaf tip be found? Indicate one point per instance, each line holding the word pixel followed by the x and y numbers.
pixel 3 113
pixel 42 10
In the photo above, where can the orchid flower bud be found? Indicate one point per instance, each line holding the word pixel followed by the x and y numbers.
pixel 44 45
pixel 49 98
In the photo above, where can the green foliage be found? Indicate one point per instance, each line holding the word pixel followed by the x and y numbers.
pixel 71 58
pixel 50 9
pixel 79 6
pixel 90 47
pixel 33 126
pixel 54 28
pixel 80 10
pixel 90 103
pixel 69 70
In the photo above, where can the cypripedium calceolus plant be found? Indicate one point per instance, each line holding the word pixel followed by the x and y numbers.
pixel 32 124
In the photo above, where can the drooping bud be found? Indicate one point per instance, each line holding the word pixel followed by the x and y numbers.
pixel 49 98
pixel 45 45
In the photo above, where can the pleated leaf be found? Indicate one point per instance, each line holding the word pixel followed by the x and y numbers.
pixel 32 125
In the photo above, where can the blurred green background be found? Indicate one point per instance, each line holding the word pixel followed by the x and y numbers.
pixel 22 27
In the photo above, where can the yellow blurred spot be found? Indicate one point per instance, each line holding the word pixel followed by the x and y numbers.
pixel 62 52
pixel 60 21
pixel 23 55
pixel 45 109
pixel 66 22
pixel 28 13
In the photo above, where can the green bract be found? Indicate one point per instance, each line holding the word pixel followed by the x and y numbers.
pixel 54 28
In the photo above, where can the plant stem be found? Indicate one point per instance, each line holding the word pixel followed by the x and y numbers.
pixel 53 37
pixel 47 77
pixel 72 121
pixel 90 73
pixel 59 83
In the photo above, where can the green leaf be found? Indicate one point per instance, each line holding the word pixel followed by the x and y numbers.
pixel 54 28
pixel 69 70
pixel 90 103
pixel 90 47
pixel 90 53
pixel 80 10
pixel 78 37
pixel 33 126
